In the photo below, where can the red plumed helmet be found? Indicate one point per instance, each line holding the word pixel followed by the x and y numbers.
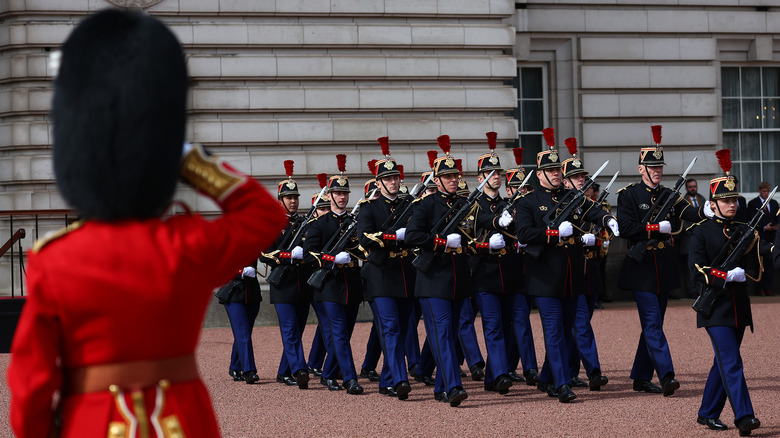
pixel 372 167
pixel 401 171
pixel 444 143
pixel 288 168
pixel 384 143
pixel 341 162
pixel 656 133
pixel 491 136
pixel 724 159
pixel 571 145
pixel 322 178
pixel 432 157
pixel 518 156
pixel 549 136
pixel 459 165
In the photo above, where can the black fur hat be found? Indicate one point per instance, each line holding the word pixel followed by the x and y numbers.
pixel 119 114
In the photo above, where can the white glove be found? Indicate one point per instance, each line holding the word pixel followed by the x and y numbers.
pixel 588 239
pixel 400 234
pixel 665 227
pixel 613 225
pixel 342 258
pixel 497 241
pixel 707 209
pixel 565 230
pixel 249 272
pixel 453 240
pixel 736 274
pixel 505 219
pixel 296 253
pixel 605 244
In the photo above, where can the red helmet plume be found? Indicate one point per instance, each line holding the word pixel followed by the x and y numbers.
pixel 288 168
pixel 724 159
pixel 384 143
pixel 432 157
pixel 444 143
pixel 322 178
pixel 341 162
pixel 372 167
pixel 549 136
pixel 656 133
pixel 459 165
pixel 518 156
pixel 401 171
pixel 491 137
pixel 571 145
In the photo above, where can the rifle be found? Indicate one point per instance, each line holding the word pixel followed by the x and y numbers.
pixel 336 245
pixel 511 204
pixel 658 212
pixel 291 240
pixel 443 227
pixel 572 200
pixel 727 259
pixel 605 192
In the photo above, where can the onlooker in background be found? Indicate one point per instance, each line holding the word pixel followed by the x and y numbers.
pixel 767 228
pixel 684 238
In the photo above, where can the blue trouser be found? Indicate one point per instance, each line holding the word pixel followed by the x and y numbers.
pixel 494 308
pixel 391 316
pixel 585 346
pixel 468 334
pixel 557 316
pixel 242 320
pixel 412 341
pixel 441 318
pixel 652 353
pixel 726 379
pixel 427 362
pixel 337 328
pixel 318 348
pixel 292 323
pixel 373 347
pixel 519 334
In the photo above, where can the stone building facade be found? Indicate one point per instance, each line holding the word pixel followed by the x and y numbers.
pixel 306 79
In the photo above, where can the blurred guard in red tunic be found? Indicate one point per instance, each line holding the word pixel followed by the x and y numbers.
pixel 116 302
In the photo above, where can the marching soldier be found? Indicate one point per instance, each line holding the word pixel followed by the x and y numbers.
pixel 341 292
pixel 318 350
pixel 583 346
pixel 386 270
pixel 554 275
pixel 443 287
pixel 290 294
pixel 654 276
pixel 730 314
pixel 520 336
pixel 373 344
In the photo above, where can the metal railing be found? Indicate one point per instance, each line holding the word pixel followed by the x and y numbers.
pixel 17 262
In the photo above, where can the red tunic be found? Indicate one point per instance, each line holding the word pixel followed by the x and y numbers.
pixel 127 291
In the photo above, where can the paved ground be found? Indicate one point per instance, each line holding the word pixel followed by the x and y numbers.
pixel 271 409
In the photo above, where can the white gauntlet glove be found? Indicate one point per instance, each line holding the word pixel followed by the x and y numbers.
pixel 566 229
pixel 400 234
pixel 736 274
pixel 497 241
pixel 707 210
pixel 613 225
pixel 505 219
pixel 665 227
pixel 296 253
pixel 249 272
pixel 588 239
pixel 453 240
pixel 342 258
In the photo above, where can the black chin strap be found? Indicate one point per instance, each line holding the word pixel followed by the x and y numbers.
pixel 548 180
pixel 649 178
pixel 488 182
pixel 718 207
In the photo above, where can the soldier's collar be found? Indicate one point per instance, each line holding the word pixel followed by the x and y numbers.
pixel 388 200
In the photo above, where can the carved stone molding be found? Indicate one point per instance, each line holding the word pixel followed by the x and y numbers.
pixel 143 4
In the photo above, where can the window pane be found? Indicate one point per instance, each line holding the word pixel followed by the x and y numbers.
pixel 751 82
pixel 751 113
pixel 531 83
pixel 749 177
pixel 749 148
pixel 730 79
pixel 771 81
pixel 531 114
pixel 731 114
pixel 770 146
pixel 771 116
pixel 731 141
pixel 532 145
pixel 770 173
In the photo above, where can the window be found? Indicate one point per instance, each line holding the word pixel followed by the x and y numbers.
pixel 751 123
pixel 531 111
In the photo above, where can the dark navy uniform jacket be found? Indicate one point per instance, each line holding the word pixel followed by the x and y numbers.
pixel 658 270
pixel 388 271
pixel 732 308
pixel 343 284
pixel 448 276
pixel 293 288
pixel 560 269
pixel 498 271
